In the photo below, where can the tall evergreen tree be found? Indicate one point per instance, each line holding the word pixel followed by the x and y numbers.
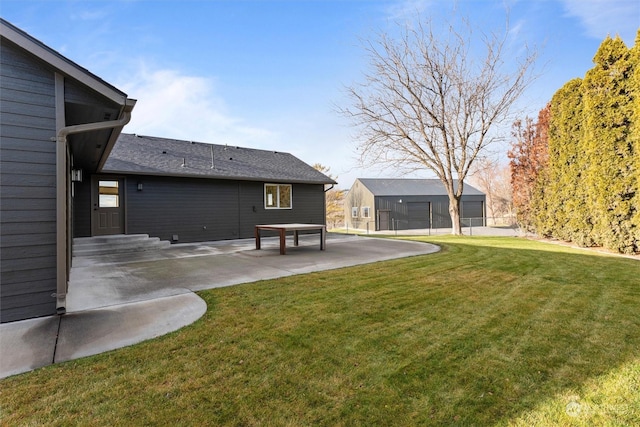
pixel 610 178
pixel 635 131
pixel 564 213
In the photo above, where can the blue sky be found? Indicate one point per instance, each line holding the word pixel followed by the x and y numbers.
pixel 269 74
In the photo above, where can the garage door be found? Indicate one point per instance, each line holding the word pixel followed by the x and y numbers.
pixel 418 214
pixel 472 211
pixel 441 216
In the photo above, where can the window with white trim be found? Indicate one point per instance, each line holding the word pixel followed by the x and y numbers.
pixel 354 212
pixel 365 212
pixel 277 196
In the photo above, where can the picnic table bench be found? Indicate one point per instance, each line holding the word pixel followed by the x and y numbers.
pixel 282 229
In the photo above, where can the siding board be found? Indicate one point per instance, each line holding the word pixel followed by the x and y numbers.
pixel 29 264
pixel 26 121
pixel 29 144
pixel 20 240
pixel 26 277
pixel 24 108
pixel 20 252
pixel 26 228
pixel 14 289
pixel 11 314
pixel 18 168
pixel 18 192
pixel 19 180
pixel 24 204
pixel 20 156
pixel 27 186
pixel 20 92
pixel 9 217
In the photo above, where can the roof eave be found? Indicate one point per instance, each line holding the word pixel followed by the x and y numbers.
pixel 220 177
pixel 126 109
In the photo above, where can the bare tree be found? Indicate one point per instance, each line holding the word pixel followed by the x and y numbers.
pixel 428 103
pixel 334 199
pixel 495 181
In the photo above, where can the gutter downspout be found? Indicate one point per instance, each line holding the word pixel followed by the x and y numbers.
pixel 325 202
pixel 63 262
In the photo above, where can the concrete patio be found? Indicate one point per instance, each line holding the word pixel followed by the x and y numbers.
pixel 122 299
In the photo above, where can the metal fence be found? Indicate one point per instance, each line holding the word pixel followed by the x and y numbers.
pixel 470 226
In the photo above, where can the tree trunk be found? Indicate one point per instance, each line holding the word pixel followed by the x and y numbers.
pixel 454 211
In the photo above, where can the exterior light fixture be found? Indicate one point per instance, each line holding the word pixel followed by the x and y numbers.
pixel 139 186
pixel 76 175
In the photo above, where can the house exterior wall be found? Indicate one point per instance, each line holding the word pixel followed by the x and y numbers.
pixel 308 207
pixel 27 186
pixel 81 207
pixel 199 209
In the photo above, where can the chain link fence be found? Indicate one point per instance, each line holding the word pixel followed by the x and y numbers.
pixel 470 226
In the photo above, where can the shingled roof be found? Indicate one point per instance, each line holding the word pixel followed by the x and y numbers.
pixel 411 187
pixel 146 155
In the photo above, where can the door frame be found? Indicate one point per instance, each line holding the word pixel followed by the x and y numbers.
pixel 122 194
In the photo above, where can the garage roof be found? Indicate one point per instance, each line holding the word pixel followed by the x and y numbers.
pixel 411 187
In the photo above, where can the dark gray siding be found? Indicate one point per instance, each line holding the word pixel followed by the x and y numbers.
pixel 472 211
pixel 27 187
pixel 440 213
pixel 192 209
pixel 308 207
pixel 82 208
pixel 416 211
pixel 429 211
pixel 418 214
pixel 198 210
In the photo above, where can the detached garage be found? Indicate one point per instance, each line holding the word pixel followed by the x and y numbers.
pixel 408 204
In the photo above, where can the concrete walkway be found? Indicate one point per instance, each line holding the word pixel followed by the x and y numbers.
pixel 123 299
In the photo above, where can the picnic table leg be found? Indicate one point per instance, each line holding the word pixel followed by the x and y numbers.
pixel 283 241
pixel 257 238
pixel 295 237
pixel 323 238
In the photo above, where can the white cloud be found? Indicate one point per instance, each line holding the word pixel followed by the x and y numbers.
pixel 605 17
pixel 174 105
pixel 407 9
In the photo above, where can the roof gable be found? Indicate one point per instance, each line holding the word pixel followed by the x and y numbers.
pixel 60 62
pixel 145 155
pixel 411 187
pixel 81 97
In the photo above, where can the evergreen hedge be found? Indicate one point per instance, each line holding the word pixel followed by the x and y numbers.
pixel 589 192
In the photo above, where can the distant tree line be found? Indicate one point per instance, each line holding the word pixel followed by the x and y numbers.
pixel 576 171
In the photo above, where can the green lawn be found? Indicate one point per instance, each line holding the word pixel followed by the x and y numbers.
pixel 490 331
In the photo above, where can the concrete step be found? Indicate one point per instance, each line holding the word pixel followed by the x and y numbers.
pixel 104 245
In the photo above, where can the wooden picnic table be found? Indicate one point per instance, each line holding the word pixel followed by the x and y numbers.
pixel 282 229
